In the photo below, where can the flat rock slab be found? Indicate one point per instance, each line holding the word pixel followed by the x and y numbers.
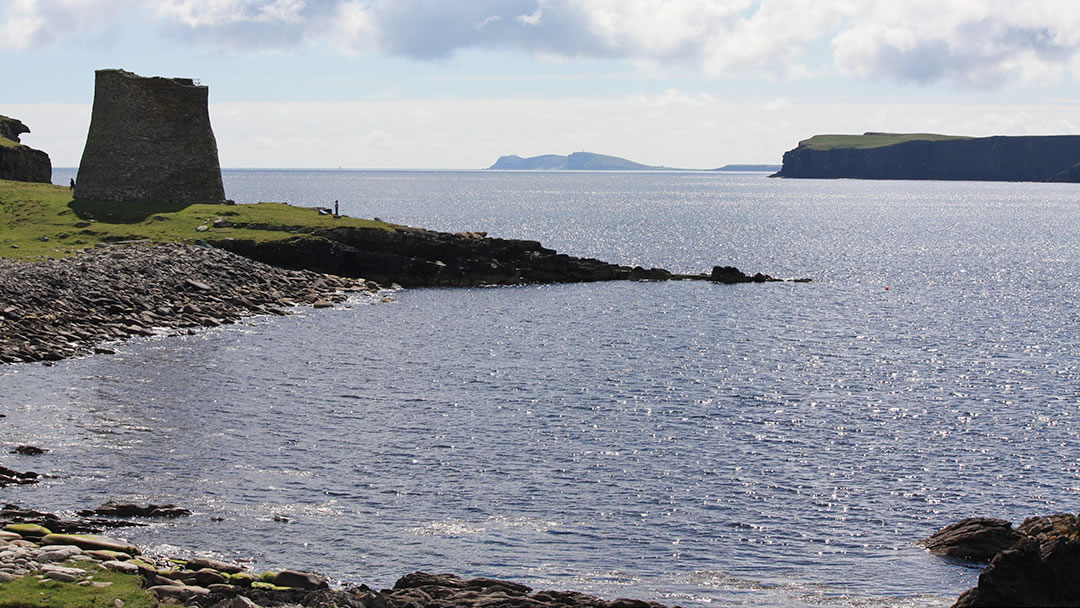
pixel 28 530
pixel 91 542
pixel 976 539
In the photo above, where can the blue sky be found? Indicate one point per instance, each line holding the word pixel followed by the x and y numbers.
pixel 455 84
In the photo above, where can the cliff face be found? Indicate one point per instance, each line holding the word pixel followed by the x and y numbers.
pixel 150 140
pixel 1029 159
pixel 18 162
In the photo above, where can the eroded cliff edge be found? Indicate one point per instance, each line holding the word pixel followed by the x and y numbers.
pixel 18 162
pixel 924 156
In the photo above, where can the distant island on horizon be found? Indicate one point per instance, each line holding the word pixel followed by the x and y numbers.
pixel 589 161
pixel 930 156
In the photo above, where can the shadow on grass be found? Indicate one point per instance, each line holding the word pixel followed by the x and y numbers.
pixel 113 212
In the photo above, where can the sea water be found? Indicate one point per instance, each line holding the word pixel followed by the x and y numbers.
pixel 748 445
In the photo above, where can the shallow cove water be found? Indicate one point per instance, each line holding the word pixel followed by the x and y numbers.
pixel 753 445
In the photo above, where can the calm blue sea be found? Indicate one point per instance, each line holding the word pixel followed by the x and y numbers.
pixel 748 445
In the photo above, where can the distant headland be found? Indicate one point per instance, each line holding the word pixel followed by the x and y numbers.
pixel 749 168
pixel 578 161
pixel 588 161
pixel 928 156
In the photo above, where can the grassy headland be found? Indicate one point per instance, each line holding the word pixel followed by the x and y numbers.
pixel 39 221
pixel 870 140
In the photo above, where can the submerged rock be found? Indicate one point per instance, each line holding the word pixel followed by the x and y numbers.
pixel 115 509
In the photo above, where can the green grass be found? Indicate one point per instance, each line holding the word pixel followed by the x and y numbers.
pixel 31 592
pixel 8 143
pixel 42 221
pixel 870 140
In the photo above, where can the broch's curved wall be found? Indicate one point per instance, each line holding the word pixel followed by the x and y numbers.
pixel 150 140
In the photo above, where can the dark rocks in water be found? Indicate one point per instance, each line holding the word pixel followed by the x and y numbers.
pixel 13 514
pixel 11 477
pixel 423 589
pixel 730 275
pixel 115 509
pixel 19 162
pixel 150 141
pixel 977 539
pixel 1038 568
pixel 28 450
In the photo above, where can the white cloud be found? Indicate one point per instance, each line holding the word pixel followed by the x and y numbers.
pixel 981 43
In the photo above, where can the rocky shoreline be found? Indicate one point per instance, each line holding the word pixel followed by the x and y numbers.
pixel 75 306
pixel 50 548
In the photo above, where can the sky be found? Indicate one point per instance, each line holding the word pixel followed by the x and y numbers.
pixel 454 84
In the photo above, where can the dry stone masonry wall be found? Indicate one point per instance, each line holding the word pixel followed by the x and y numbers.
pixel 150 141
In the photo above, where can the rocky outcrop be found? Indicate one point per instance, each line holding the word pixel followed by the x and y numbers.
pixel 413 257
pixel 18 162
pixel 976 539
pixel 72 306
pixel 150 141
pixel 1033 565
pixel 1027 158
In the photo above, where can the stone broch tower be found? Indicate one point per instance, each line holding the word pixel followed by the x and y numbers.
pixel 150 141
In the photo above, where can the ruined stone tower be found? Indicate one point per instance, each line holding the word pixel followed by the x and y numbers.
pixel 150 141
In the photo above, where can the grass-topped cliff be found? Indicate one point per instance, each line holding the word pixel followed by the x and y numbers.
pixel 929 156
pixel 870 140
pixel 39 221
pixel 18 161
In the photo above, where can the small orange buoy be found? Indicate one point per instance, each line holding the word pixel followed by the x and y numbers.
pixel 886 288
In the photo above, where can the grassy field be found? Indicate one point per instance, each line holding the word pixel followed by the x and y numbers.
pixel 31 592
pixel 870 140
pixel 39 221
